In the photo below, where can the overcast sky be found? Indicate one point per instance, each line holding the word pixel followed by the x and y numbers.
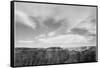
pixel 42 24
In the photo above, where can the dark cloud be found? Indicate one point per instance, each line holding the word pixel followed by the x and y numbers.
pixel 79 31
pixel 93 35
pixel 52 24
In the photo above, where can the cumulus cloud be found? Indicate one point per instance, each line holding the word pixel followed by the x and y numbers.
pixel 24 19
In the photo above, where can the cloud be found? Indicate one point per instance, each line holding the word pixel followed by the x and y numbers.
pixel 64 39
pixel 88 25
pixel 24 19
pixel 51 34
pixel 80 31
pixel 25 41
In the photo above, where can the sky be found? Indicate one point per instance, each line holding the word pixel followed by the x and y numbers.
pixel 48 25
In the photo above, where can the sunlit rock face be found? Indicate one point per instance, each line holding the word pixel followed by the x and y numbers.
pixel 53 55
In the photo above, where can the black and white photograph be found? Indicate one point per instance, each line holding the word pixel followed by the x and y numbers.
pixel 51 34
